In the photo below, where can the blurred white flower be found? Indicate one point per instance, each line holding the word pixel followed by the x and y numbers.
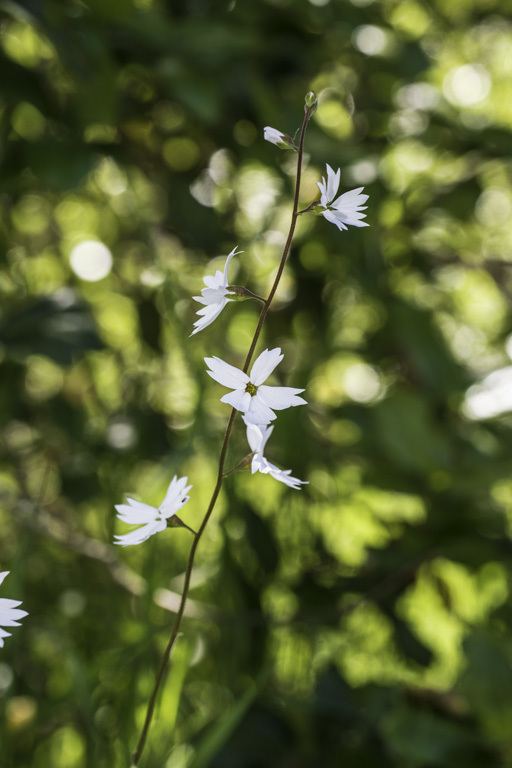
pixel 214 296
pixel 257 437
pixel 151 519
pixel 9 613
pixel 250 395
pixel 346 209
pixel 280 139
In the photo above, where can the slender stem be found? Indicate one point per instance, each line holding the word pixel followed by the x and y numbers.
pixel 222 458
pixel 286 250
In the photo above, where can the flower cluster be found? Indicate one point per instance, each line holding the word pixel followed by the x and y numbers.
pixel 9 613
pixel 255 400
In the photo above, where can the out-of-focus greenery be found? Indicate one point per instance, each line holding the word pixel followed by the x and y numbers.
pixel 364 621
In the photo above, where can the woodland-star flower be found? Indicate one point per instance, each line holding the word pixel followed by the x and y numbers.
pixel 250 395
pixel 214 296
pixel 346 209
pixel 9 613
pixel 150 518
pixel 257 437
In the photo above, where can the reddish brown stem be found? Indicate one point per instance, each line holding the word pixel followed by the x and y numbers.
pixel 220 475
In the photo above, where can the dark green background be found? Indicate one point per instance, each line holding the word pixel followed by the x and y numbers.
pixel 364 621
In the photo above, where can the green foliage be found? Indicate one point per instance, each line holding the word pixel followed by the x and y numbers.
pixel 364 621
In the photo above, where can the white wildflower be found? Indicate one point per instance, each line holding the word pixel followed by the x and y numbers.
pixel 257 437
pixel 9 613
pixel 346 209
pixel 250 395
pixel 215 296
pixel 151 519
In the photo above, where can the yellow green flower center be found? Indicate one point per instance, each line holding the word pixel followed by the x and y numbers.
pixel 251 389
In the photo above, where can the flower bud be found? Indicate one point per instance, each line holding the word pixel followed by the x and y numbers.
pixel 311 102
pixel 280 139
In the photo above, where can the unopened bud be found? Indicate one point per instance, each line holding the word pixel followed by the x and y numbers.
pixel 280 139
pixel 311 102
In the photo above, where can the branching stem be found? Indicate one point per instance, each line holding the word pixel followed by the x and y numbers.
pixel 222 458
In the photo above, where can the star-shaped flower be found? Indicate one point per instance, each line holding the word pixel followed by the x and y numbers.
pixel 257 437
pixel 250 395
pixel 214 296
pixel 346 209
pixel 9 613
pixel 151 519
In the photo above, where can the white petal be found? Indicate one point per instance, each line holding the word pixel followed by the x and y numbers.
pixel 272 135
pixel 348 198
pixel 213 295
pixel 258 412
pixel 322 186
pixel 234 252
pixel 135 512
pixel 280 397
pixel 176 496
pixel 10 619
pixel 210 313
pixel 258 463
pixel 3 575
pixel 331 216
pixel 333 182
pixel 257 435
pixel 211 282
pixel 238 399
pixel 226 374
pixel 254 436
pixel 264 365
pixel 283 475
pixel 140 534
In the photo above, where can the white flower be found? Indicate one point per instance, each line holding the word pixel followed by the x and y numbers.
pixel 257 437
pixel 214 296
pixel 9 613
pixel 250 395
pixel 346 209
pixel 151 519
pixel 280 139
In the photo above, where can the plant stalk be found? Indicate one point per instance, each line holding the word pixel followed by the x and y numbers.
pixel 222 458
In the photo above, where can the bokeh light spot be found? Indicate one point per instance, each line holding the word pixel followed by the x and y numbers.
pixel 91 260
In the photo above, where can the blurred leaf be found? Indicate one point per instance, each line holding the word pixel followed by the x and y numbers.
pixel 59 327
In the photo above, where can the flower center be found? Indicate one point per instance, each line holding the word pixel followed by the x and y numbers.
pixel 251 389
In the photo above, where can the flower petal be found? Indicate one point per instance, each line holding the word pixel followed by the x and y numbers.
pixel 331 216
pixel 234 252
pixel 280 397
pixel 238 399
pixel 140 534
pixel 258 412
pixel 176 496
pixel 135 512
pixel 333 182
pixel 257 435
pixel 226 374
pixel 210 313
pixel 264 365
